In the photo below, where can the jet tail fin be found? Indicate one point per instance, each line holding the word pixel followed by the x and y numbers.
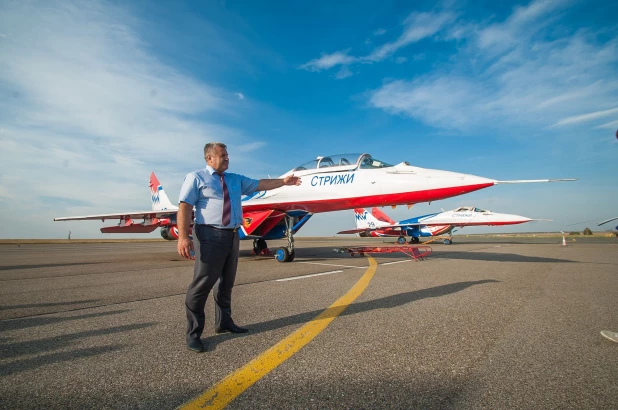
pixel 360 215
pixel 158 197
pixel 381 216
pixel 364 220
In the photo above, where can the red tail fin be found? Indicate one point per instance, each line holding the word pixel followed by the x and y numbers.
pixel 154 183
pixel 381 216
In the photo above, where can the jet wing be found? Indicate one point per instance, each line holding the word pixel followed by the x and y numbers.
pixel 378 228
pixel 131 215
pixel 608 220
pixel 260 222
pixel 352 231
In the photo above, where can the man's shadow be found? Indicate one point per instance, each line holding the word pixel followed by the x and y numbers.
pixel 381 303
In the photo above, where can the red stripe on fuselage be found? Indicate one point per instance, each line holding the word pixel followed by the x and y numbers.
pixel 338 204
pixel 490 223
pixel 442 231
pixel 386 232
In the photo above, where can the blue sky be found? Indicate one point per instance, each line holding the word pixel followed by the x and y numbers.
pixel 94 95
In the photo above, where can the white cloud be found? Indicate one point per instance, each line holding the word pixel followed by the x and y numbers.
pixel 344 72
pixel 250 146
pixel 438 101
pixel 587 117
pixel 327 61
pixel 240 96
pixel 522 23
pixel 81 71
pixel 610 125
pixel 534 81
pixel 88 111
pixel 417 26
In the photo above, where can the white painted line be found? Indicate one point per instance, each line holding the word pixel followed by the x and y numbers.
pixel 392 263
pixel 309 276
pixel 331 264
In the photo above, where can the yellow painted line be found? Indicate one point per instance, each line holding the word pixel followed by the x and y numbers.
pixel 227 389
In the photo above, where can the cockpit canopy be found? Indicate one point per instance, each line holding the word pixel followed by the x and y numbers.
pixel 470 209
pixel 345 161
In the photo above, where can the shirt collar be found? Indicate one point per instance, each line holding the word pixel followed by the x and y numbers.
pixel 211 170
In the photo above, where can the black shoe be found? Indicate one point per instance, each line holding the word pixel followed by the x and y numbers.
pixel 195 345
pixel 231 328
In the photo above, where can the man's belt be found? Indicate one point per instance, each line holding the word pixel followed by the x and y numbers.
pixel 221 229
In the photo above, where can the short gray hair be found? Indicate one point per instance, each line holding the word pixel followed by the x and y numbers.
pixel 212 145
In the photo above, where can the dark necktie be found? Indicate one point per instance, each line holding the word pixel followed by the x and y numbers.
pixel 227 205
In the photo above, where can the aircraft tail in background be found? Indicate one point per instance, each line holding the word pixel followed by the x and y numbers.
pixel 365 220
pixel 158 197
pixel 381 216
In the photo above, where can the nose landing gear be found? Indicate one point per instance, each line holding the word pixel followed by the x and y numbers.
pixel 286 253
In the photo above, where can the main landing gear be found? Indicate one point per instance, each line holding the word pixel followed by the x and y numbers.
pixel 402 240
pixel 447 241
pixel 260 248
pixel 286 253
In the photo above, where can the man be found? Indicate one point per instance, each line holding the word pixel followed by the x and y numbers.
pixel 215 194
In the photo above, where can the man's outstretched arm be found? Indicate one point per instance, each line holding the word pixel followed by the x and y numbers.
pixel 266 184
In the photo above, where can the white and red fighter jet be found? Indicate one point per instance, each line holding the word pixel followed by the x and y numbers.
pixel 377 223
pixel 330 183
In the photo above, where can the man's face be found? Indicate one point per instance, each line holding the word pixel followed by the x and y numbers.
pixel 218 159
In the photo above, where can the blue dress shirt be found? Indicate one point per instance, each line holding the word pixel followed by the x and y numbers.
pixel 203 190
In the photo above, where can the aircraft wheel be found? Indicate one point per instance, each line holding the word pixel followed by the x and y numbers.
pixel 292 255
pixel 415 240
pixel 259 245
pixel 401 240
pixel 448 242
pixel 255 248
pixel 282 255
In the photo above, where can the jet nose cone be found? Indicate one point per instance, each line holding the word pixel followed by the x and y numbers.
pixel 474 179
pixel 511 219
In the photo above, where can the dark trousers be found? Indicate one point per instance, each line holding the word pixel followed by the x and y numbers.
pixel 216 258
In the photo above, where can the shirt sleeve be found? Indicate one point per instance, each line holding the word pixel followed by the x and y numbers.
pixel 189 190
pixel 248 185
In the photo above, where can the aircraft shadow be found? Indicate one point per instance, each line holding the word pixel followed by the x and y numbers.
pixel 46 265
pixel 326 254
pixel 40 305
pixel 381 303
pixel 14 324
pixel 17 349
pixel 496 257
pixel 36 362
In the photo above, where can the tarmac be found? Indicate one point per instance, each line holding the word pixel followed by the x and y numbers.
pixel 482 323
